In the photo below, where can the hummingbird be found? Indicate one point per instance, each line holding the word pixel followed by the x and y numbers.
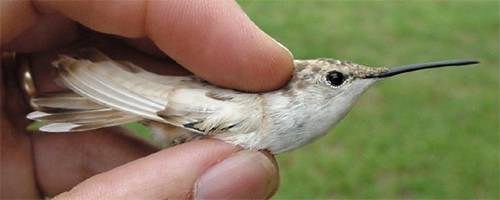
pixel 177 109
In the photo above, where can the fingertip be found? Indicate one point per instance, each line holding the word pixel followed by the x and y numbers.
pixel 260 64
pixel 270 70
pixel 244 175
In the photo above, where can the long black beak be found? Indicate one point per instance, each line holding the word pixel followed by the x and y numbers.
pixel 414 67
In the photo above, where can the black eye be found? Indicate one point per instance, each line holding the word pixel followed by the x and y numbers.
pixel 335 78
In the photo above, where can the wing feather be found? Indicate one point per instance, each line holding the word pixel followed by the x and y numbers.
pixel 69 101
pixel 85 78
pixel 180 101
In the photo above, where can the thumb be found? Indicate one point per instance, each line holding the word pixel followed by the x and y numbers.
pixel 204 169
pixel 213 39
pixel 217 41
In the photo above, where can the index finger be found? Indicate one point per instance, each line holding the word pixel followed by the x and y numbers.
pixel 213 39
pixel 204 169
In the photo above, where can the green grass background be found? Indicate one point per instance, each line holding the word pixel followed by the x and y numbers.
pixel 431 134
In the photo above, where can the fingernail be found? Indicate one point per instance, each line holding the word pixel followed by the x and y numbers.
pixel 245 175
pixel 282 46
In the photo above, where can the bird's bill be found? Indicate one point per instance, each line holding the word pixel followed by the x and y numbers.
pixel 414 67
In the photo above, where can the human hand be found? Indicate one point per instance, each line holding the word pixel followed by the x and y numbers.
pixel 213 39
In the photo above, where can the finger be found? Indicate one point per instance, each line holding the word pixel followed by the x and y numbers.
pixel 145 45
pixel 245 175
pixel 217 41
pixel 16 162
pixel 16 17
pixel 213 39
pixel 49 32
pixel 64 160
pixel 124 18
pixel 17 170
pixel 172 173
pixel 25 29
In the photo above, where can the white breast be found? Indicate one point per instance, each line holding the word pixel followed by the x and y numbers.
pixel 296 121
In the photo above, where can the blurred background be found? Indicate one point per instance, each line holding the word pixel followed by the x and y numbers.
pixel 431 134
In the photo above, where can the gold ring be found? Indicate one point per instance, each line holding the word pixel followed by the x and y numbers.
pixel 21 64
pixel 26 79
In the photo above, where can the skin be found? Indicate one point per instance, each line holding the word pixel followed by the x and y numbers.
pixel 105 163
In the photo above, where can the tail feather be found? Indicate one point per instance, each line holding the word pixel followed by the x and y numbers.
pixel 69 112
pixel 75 127
pixel 86 116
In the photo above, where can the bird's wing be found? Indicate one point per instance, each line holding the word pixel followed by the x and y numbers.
pixel 181 101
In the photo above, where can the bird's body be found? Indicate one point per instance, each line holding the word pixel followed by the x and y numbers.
pixel 180 108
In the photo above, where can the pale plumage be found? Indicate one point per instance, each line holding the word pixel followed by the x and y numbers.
pixel 121 92
pixel 178 109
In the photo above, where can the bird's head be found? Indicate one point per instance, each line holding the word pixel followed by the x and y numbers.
pixel 335 79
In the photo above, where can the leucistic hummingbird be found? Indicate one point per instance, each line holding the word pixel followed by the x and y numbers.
pixel 108 92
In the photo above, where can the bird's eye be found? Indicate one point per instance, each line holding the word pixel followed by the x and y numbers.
pixel 335 78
